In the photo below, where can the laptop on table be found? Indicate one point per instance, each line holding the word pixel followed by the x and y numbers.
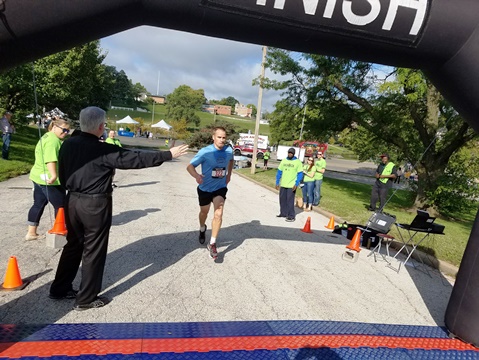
pixel 425 223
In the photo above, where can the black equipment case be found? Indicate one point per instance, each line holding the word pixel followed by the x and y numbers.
pixel 380 222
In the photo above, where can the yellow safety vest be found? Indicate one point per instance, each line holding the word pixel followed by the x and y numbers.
pixel 388 169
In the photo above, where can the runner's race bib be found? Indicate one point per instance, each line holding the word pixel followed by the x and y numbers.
pixel 218 173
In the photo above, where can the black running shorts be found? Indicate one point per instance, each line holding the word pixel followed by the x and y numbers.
pixel 205 198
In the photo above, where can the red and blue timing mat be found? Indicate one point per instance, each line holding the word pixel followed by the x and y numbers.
pixel 231 340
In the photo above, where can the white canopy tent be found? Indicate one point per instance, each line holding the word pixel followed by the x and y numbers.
pixel 127 120
pixel 162 124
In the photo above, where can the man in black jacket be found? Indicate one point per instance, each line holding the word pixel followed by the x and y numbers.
pixel 86 168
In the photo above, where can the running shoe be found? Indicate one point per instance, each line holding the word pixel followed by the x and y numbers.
pixel 290 219
pixel 202 236
pixel 212 249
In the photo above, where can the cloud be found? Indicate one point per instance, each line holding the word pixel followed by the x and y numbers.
pixel 162 59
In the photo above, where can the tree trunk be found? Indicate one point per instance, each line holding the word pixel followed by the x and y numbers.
pixel 429 169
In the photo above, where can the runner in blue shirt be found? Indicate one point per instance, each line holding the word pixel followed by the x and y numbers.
pixel 216 162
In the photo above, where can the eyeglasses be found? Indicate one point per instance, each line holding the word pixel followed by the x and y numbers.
pixel 310 159
pixel 320 153
pixel 64 130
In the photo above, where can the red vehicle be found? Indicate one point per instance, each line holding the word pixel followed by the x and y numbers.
pixel 247 150
pixel 311 147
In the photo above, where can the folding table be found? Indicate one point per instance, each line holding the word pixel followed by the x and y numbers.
pixel 415 236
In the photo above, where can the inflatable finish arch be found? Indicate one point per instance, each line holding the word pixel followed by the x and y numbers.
pixel 440 37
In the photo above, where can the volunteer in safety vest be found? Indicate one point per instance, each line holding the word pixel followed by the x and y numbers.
pixel 385 175
pixel 266 157
pixel 288 177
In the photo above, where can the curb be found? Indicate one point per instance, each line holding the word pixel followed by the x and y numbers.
pixel 445 267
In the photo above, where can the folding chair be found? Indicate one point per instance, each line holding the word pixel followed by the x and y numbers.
pixel 377 248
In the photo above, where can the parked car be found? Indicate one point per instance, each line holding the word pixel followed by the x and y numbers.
pixel 247 150
pixel 311 147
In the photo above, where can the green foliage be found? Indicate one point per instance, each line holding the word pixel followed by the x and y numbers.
pixel 204 137
pixel 457 189
pixel 179 130
pixel 229 101
pixel 16 92
pixel 149 101
pixel 404 115
pixel 183 103
pixel 22 152
pixel 58 79
pixel 254 109
pixel 285 122
pixel 138 89
pixel 200 139
pixel 69 80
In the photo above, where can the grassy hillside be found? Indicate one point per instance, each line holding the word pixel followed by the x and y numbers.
pixel 147 119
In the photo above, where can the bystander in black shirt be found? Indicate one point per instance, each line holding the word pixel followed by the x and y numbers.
pixel 380 169
pixel 86 165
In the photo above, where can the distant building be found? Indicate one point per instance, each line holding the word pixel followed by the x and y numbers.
pixel 223 109
pixel 142 97
pixel 243 110
pixel 219 109
pixel 208 108
pixel 158 99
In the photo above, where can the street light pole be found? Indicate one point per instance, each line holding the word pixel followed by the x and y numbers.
pixel 153 112
pixel 258 112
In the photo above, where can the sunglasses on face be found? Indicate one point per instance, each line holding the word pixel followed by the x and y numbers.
pixel 64 130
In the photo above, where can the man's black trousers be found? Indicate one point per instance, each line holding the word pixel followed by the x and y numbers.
pixel 286 202
pixel 379 192
pixel 88 219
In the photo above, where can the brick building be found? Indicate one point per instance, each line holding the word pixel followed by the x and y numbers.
pixel 243 110
pixel 158 99
pixel 223 110
pixel 220 109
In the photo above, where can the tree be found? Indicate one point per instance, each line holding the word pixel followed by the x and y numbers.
pixel 73 79
pixel 253 109
pixel 183 103
pixel 179 129
pixel 69 80
pixel 203 137
pixel 402 114
pixel 284 123
pixel 17 92
pixel 229 101
pixel 138 89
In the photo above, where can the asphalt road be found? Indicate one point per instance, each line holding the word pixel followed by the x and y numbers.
pixel 267 269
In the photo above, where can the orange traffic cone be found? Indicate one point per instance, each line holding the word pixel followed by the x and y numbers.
pixel 356 240
pixel 330 224
pixel 59 227
pixel 307 226
pixel 13 280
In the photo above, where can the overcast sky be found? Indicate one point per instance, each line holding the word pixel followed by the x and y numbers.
pixel 220 67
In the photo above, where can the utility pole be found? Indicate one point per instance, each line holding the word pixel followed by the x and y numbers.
pixel 258 112
pixel 154 101
pixel 302 122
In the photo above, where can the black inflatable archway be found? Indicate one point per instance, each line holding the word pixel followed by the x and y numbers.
pixel 440 37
